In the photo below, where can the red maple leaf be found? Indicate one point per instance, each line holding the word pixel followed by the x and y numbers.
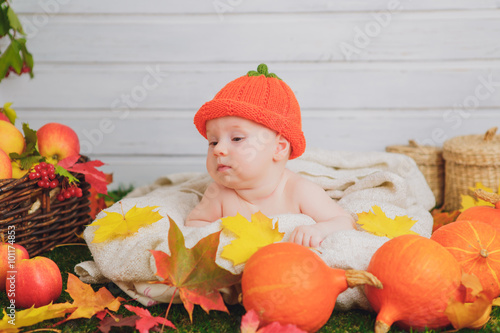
pixel 97 179
pixel 98 202
pixel 146 320
pixel 107 323
pixel 193 271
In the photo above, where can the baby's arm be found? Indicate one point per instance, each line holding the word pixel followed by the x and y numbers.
pixel 208 210
pixel 329 215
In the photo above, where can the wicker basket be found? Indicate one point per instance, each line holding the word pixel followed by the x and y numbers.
pixel 430 162
pixel 469 160
pixel 39 220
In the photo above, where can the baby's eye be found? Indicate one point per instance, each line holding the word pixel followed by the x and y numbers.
pixel 212 143
pixel 238 138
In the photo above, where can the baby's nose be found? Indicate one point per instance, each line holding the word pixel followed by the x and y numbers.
pixel 220 149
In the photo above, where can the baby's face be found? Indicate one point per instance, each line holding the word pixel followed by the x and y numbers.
pixel 239 151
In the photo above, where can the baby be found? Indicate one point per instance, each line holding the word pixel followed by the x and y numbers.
pixel 253 127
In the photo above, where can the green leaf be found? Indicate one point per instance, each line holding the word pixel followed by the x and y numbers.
pixel 4 21
pixel 59 170
pixel 16 55
pixel 10 112
pixel 27 57
pixel 14 20
pixel 29 135
pixel 28 161
pixel 30 155
pixel 11 57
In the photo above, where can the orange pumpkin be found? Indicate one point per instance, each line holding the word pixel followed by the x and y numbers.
pixel 290 284
pixel 419 277
pixel 486 214
pixel 476 246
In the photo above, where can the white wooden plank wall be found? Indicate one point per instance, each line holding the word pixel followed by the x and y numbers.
pixel 128 76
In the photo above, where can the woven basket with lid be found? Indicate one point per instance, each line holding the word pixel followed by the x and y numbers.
pixel 469 160
pixel 430 162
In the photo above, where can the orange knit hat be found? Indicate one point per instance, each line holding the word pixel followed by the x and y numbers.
pixel 262 97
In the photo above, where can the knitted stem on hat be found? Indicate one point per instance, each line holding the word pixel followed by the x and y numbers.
pixel 262 70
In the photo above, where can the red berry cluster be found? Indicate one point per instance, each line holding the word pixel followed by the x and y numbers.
pixel 72 191
pixel 46 173
pixel 24 69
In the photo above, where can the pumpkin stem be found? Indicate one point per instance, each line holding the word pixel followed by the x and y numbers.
pixel 484 253
pixel 355 278
pixel 487 196
pixel 381 327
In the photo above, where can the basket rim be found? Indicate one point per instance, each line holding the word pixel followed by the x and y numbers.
pixel 474 149
pixel 423 155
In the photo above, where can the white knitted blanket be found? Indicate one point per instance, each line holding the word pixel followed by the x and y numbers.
pixel 357 180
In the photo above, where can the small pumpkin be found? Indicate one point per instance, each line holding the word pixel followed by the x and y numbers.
pixel 476 246
pixel 290 284
pixel 419 277
pixel 486 214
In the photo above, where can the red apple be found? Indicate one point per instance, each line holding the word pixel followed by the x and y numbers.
pixel 11 139
pixel 37 282
pixel 5 167
pixel 10 254
pixel 57 141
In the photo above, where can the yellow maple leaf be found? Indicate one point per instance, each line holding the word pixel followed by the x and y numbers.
pixel 252 235
pixel 471 201
pixel 379 224
pixel 116 225
pixel 12 322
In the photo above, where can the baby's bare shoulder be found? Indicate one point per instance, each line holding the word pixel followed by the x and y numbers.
pixel 300 185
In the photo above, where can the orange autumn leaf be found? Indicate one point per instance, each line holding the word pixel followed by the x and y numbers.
pixel 470 315
pixel 88 302
pixel 442 218
pixel 193 271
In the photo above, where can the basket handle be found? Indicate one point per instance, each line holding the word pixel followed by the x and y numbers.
pixel 413 143
pixel 490 134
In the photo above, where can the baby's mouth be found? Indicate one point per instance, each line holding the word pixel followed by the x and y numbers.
pixel 223 167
